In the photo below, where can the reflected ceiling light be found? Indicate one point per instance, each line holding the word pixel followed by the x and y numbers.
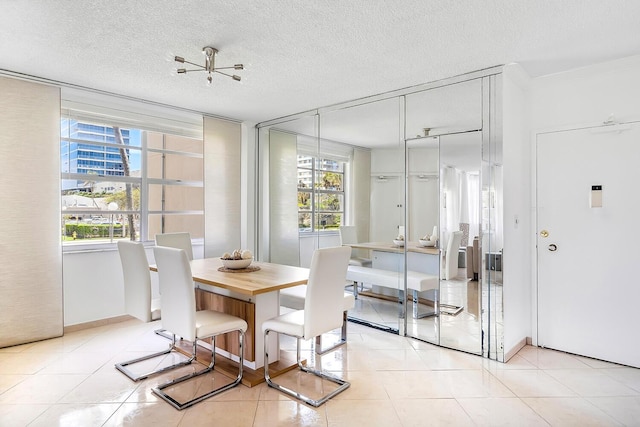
pixel 209 65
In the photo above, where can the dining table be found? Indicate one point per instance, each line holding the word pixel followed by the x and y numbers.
pixel 252 294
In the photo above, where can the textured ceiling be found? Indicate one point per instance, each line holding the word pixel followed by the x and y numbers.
pixel 300 55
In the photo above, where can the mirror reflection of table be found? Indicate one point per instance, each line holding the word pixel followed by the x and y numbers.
pixel 419 258
pixel 388 256
pixel 252 296
pixel 390 247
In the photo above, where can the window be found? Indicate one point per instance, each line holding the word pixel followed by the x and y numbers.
pixel 119 182
pixel 320 193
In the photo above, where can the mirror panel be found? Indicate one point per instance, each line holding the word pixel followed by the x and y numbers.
pixel 419 163
pixel 279 218
pixel 460 304
pixel 493 221
pixel 445 110
pixel 373 200
pixel 423 254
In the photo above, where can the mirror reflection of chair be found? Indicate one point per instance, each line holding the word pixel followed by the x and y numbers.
pixel 323 309
pixel 451 255
pixel 181 240
pixel 348 235
pixel 181 318
pixel 138 301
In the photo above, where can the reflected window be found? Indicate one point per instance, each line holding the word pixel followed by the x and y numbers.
pixel 320 194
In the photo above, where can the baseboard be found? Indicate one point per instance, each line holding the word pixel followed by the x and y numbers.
pixel 96 323
pixel 508 355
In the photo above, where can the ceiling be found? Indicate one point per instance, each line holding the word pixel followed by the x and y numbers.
pixel 302 55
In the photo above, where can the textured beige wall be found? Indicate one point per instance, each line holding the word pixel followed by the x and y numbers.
pixel 31 305
pixel 222 199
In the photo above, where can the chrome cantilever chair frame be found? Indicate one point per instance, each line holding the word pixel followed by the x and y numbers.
pixel 176 404
pixel 322 313
pixel 178 297
pixel 122 367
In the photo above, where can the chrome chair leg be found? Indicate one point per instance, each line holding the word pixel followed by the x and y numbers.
pixel 343 338
pixel 342 384
pixel 122 367
pixel 159 390
pixel 163 333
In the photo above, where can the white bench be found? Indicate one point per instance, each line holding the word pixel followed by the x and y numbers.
pixel 416 282
pixel 294 298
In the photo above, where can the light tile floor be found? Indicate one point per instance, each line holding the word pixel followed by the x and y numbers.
pixel 395 381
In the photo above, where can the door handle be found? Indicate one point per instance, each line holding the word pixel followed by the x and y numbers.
pixel 553 247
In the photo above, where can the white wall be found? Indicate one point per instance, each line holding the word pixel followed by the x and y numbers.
pixel 517 202
pixel 582 97
pixel 587 96
pixel 93 286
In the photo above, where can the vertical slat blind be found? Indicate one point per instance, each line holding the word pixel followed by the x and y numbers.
pixel 31 301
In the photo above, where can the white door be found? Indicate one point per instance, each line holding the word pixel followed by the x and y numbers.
pixel 387 207
pixel 589 257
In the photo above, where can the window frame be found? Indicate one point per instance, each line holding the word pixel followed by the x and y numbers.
pixel 143 182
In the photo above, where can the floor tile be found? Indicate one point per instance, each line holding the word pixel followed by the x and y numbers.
pixel 544 358
pixel 569 411
pixel 220 413
pixel 591 382
pixel 7 381
pixel 630 377
pixel 625 410
pixel 533 383
pixel 42 389
pixel 395 381
pixel 431 412
pixel 416 385
pixel 370 413
pixel 25 362
pixel 145 414
pixel 75 415
pixel 101 388
pixel 288 413
pixel 14 415
pixel 501 412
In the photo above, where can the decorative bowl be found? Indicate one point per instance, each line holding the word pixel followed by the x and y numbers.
pixel 398 242
pixel 427 243
pixel 236 264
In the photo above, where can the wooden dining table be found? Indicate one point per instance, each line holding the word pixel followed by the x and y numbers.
pixel 252 296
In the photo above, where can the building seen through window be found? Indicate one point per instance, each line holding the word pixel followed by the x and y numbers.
pixel 128 183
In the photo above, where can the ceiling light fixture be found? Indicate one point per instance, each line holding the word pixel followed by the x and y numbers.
pixel 209 65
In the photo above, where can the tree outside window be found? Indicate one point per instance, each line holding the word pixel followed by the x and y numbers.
pixel 320 194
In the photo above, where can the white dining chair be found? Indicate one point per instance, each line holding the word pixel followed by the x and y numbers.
pixel 138 303
pixel 181 318
pixel 323 308
pixel 138 300
pixel 181 240
pixel 294 298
